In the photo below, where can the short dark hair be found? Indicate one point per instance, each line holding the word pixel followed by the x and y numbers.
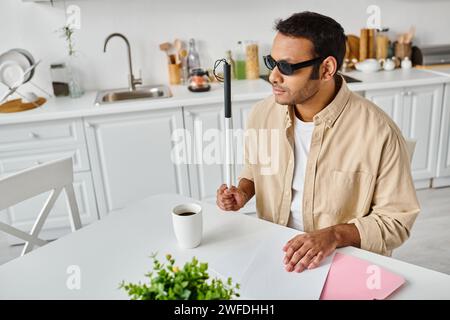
pixel 326 34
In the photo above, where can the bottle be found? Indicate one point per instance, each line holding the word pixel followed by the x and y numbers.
pixel 240 62
pixel 231 63
pixel 193 59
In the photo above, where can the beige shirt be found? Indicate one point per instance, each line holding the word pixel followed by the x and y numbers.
pixel 358 170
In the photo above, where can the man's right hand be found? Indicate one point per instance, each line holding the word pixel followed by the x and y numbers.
pixel 231 199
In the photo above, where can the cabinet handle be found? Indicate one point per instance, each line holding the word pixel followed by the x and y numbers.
pixel 410 93
pixel 188 113
pixel 402 93
pixel 33 135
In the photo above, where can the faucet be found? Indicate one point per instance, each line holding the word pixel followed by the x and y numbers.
pixel 132 81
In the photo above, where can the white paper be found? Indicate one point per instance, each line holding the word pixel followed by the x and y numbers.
pixel 266 277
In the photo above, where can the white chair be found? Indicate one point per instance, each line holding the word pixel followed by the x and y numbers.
pixel 53 176
pixel 411 145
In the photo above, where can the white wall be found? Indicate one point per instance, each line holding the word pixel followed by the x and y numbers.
pixel 217 25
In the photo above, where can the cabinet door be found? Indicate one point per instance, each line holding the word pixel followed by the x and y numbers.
pixel 443 164
pixel 390 100
pixel 131 157
pixel 24 214
pixel 241 112
pixel 207 170
pixel 421 119
pixel 205 125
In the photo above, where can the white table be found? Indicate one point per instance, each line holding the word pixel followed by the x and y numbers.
pixel 118 248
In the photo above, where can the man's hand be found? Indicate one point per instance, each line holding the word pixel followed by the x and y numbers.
pixel 307 250
pixel 231 199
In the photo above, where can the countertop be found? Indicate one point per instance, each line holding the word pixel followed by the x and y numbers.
pixel 242 90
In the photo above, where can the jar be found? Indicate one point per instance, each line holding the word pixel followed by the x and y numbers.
pixel 252 61
pixel 199 80
pixel 60 79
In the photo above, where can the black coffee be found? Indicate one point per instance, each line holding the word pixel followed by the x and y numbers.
pixel 186 213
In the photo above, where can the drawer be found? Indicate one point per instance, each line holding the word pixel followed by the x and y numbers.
pixel 15 162
pixel 41 134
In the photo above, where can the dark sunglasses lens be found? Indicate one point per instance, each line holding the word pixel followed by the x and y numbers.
pixel 285 68
pixel 269 62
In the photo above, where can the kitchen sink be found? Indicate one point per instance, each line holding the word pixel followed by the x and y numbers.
pixel 143 92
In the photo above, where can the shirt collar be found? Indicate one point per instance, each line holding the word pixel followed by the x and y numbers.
pixel 330 113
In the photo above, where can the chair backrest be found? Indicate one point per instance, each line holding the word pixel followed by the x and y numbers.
pixel 411 145
pixel 52 176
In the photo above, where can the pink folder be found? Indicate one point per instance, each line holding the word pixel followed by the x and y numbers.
pixel 351 278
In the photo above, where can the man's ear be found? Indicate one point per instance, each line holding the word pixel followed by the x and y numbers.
pixel 329 68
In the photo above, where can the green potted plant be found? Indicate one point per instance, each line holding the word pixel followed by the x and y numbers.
pixel 192 282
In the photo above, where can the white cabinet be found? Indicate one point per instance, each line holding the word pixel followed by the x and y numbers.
pixel 417 112
pixel 131 157
pixel 207 171
pixel 421 118
pixel 390 100
pixel 443 165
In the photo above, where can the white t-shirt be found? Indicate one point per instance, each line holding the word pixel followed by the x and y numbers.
pixel 303 134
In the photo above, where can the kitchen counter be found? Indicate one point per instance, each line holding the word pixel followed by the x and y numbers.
pixel 242 90
pixel 394 79
pixel 65 107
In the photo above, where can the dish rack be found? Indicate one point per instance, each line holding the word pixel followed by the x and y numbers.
pixel 25 65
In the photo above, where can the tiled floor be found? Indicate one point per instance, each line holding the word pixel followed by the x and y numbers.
pixel 429 245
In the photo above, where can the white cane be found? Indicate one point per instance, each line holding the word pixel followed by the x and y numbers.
pixel 229 163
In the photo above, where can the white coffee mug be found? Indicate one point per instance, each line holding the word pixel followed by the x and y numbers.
pixel 188 225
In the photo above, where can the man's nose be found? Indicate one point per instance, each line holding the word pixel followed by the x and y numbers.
pixel 275 76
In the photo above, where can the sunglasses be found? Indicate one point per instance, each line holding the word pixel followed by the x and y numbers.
pixel 286 68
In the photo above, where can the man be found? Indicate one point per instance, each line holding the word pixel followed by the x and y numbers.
pixel 344 176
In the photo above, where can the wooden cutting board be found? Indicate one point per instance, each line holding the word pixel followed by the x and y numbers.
pixel 17 105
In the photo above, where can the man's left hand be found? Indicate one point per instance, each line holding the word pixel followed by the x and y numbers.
pixel 307 250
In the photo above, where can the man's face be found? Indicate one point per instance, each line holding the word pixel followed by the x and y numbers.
pixel 298 87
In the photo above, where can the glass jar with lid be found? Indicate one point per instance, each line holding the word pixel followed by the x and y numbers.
pixel 60 79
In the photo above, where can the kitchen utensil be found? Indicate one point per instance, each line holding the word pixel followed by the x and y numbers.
pixel 11 74
pixel 166 47
pixel 389 65
pixel 172 59
pixel 368 66
pixel 29 97
pixel 410 35
pixel 184 66
pixel 21 57
pixel 174 73
pixel 199 80
pixel 406 63
pixel 179 45
pixel 402 50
